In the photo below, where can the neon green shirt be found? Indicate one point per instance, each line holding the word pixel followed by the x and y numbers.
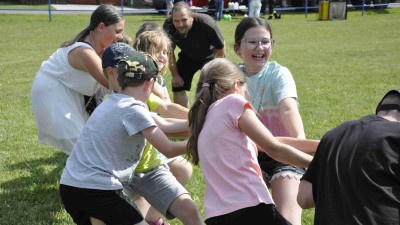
pixel 149 159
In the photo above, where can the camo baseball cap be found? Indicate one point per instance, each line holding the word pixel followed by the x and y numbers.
pixel 114 53
pixel 139 65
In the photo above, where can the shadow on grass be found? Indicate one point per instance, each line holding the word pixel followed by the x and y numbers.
pixel 33 198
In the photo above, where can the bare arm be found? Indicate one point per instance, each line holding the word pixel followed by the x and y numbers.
pixel 159 91
pixel 171 125
pixel 158 139
pixel 177 80
pixel 252 127
pixel 290 117
pixel 178 135
pixel 305 197
pixel 305 145
pixel 87 60
pixel 172 64
pixel 173 110
pixel 219 53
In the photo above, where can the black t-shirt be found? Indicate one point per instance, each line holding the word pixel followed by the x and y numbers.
pixel 355 174
pixel 201 39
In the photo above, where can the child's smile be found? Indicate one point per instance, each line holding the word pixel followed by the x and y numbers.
pixel 253 51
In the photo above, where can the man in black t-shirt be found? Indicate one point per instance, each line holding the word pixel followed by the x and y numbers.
pixel 199 40
pixel 354 177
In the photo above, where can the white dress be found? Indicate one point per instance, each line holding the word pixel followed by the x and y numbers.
pixel 57 99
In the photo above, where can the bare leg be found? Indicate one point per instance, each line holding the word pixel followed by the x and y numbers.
pixel 95 221
pixel 284 193
pixel 142 204
pixel 180 97
pixel 182 170
pixel 186 210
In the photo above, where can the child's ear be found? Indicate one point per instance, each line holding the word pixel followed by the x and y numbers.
pixel 236 86
pixel 236 48
pixel 149 84
pixel 112 73
pixel 108 71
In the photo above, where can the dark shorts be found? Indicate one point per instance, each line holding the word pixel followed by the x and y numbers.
pixel 104 205
pixel 273 169
pixel 187 68
pixel 262 213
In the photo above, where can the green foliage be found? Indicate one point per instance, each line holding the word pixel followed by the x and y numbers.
pixel 341 68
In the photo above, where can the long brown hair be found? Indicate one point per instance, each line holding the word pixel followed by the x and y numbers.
pixel 106 14
pixel 217 78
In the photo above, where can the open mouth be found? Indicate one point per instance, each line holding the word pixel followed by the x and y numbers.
pixel 258 56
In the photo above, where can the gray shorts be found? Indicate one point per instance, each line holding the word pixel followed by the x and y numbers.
pixel 158 186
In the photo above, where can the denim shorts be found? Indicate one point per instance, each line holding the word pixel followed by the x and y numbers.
pixel 273 169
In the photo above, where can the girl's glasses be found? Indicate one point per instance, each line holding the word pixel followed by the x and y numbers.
pixel 252 43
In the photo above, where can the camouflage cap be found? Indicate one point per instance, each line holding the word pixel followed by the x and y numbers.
pixel 114 53
pixel 139 65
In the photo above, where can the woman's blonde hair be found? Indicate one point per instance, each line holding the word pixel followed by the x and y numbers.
pixel 217 79
pixel 151 41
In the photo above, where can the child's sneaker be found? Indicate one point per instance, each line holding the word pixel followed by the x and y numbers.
pixel 157 222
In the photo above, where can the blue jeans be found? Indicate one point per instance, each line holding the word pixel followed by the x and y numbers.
pixel 219 6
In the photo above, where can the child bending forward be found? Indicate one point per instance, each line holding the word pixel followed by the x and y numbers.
pixel 225 133
pixel 100 168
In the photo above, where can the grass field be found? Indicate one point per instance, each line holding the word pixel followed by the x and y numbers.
pixel 342 69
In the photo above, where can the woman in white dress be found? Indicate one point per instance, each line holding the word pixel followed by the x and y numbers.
pixel 73 71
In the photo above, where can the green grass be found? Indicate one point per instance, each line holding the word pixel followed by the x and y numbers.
pixel 341 68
